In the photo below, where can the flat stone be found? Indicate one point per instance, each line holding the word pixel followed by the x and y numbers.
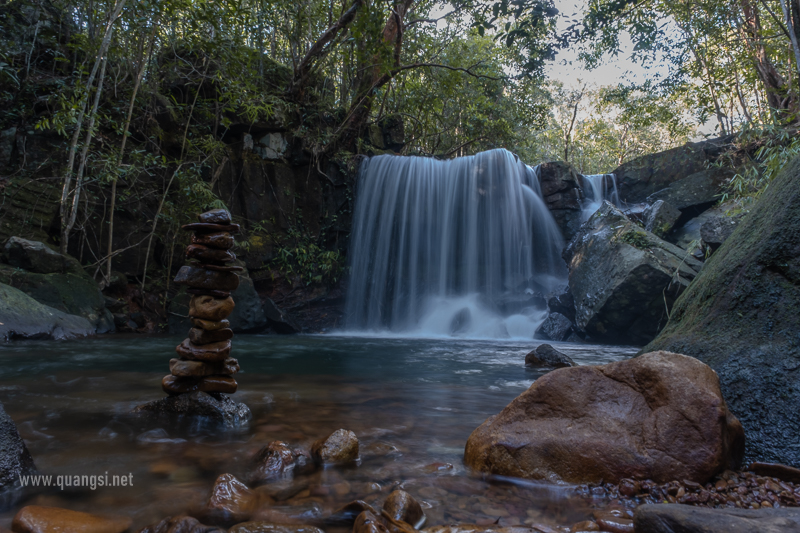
pixel 202 227
pixel 207 279
pixel 215 216
pixel 187 368
pixel 339 447
pixel 199 336
pixel 210 325
pixel 209 353
pixel 218 409
pixel 38 519
pixel 209 292
pixel 210 308
pixel 181 385
pixel 204 253
pixel 677 518
pixel 782 472
pixel 218 268
pixel 221 240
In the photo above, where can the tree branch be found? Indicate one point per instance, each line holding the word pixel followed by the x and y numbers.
pixel 448 67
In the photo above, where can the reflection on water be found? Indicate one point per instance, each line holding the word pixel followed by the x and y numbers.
pixel 412 403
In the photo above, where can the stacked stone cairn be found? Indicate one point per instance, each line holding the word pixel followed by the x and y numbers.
pixel 204 363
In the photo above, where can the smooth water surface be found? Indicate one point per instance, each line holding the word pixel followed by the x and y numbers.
pixel 412 403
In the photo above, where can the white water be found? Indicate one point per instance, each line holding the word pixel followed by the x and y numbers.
pixel 602 187
pixel 451 248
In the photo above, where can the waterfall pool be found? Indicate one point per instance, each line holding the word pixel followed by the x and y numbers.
pixel 412 403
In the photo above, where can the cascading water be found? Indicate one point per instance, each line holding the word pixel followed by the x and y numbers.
pixel 458 247
pixel 602 187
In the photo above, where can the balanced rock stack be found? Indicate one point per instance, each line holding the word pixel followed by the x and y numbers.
pixel 205 364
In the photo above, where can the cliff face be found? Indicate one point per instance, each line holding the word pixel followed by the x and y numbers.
pixel 741 316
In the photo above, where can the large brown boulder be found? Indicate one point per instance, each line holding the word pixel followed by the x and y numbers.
pixel 660 416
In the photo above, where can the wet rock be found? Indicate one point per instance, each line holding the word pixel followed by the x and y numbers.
pixel 613 522
pixel 275 461
pixel 220 241
pixel 15 460
pixel 627 278
pixel 219 410
pixel 199 336
pixel 37 519
pixel 181 385
pixel 586 525
pixel 215 216
pixel 660 218
pixel 400 505
pixel 659 416
pixel 210 308
pixel 367 522
pixel 231 502
pixel 180 524
pixel 546 355
pixel 690 519
pixel 22 317
pixel 204 253
pixel 179 367
pixel 209 325
pixel 556 327
pixel 206 279
pixel 209 353
pixel 279 320
pixel 38 258
pixel 741 317
pixel 782 472
pixel 339 447
pixel 269 527
pixel 629 487
pixel 561 191
pixel 348 514
pixel 562 303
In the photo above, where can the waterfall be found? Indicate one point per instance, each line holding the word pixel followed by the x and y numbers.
pixel 461 247
pixel 602 187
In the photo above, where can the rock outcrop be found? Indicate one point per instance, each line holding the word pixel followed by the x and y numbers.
pixel 561 191
pixel 741 316
pixel 660 218
pixel 624 279
pixel 660 416
pixel 22 317
pixel 556 327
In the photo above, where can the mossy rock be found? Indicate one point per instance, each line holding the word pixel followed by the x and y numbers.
pixel 741 316
pixel 23 317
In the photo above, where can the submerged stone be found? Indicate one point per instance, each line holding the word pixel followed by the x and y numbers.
pixel 218 409
pixel 231 502
pixel 269 527
pixel 180 524
pixel 275 461
pixel 38 519
pixel 546 355
pixel 400 505
pixel 339 447
pixel 690 519
pixel 181 385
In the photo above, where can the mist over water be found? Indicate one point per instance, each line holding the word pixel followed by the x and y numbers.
pixel 451 248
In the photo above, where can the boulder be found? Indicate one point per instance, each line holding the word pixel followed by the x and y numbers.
pixel 38 258
pixel 275 461
pixel 71 293
pixel 556 327
pixel 15 460
pixel 22 317
pixel 230 502
pixel 695 193
pixel 561 191
pixel 718 226
pixel 660 416
pixel 219 410
pixel 562 303
pixel 624 279
pixel 38 519
pixel 340 447
pixel 279 320
pixel 660 218
pixel 741 316
pixel 641 177
pixel 546 356
pixel 658 518
pixel 248 316
pixel 400 505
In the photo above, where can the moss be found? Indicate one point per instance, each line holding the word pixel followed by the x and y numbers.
pixel 637 239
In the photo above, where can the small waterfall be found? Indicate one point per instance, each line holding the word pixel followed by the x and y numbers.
pixel 459 247
pixel 602 187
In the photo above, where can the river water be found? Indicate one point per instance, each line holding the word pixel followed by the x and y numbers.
pixel 412 402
